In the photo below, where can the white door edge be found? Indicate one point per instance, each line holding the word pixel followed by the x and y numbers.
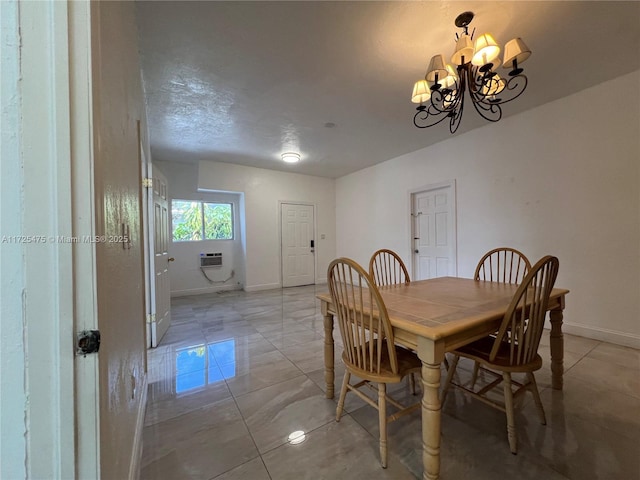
pixel 160 293
pixel 150 257
pixel 146 241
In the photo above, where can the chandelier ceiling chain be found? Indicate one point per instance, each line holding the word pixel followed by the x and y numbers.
pixel 441 94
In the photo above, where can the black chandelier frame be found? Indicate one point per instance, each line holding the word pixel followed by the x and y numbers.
pixel 488 92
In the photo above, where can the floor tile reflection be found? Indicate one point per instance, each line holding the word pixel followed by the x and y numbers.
pixel 238 373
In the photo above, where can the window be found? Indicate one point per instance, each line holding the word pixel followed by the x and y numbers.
pixel 193 220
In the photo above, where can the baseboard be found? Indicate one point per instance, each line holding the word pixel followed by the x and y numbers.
pixel 603 334
pixel 248 288
pixel 200 291
pixel 264 286
pixel 272 286
pixel 136 456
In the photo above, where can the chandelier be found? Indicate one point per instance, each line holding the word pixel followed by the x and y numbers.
pixel 441 94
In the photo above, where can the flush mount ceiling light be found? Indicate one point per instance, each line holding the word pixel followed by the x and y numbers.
pixel 291 157
pixel 442 92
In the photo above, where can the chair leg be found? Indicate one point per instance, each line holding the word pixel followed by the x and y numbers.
pixel 446 363
pixel 382 417
pixel 412 384
pixel 447 383
pixel 474 377
pixel 533 386
pixel 508 404
pixel 343 394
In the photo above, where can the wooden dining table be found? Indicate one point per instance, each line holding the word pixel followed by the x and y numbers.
pixel 436 316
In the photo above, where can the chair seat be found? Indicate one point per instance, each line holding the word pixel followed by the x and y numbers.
pixel 408 362
pixel 480 351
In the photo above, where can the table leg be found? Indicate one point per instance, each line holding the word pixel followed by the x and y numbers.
pixel 431 409
pixel 329 373
pixel 557 348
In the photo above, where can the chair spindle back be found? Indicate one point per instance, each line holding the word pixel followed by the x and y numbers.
pixel 523 321
pixel 504 265
pixel 362 316
pixel 387 268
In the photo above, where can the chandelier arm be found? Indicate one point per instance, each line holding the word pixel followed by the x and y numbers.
pixel 498 91
pixel 488 93
pixel 458 103
pixel 455 119
pixel 422 122
pixel 489 111
pixel 443 101
pixel 442 105
pixel 517 85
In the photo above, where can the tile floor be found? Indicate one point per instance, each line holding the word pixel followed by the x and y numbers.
pixel 238 372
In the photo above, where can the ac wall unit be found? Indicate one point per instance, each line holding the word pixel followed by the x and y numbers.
pixel 211 259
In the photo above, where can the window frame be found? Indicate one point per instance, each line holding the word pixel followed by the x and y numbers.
pixel 201 204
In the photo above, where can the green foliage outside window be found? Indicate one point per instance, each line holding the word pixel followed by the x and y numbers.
pixel 186 218
pixel 218 223
pixel 194 220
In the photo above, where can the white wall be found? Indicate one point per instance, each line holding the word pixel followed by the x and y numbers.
pixel 185 274
pixel 562 179
pixel 14 433
pixel 263 189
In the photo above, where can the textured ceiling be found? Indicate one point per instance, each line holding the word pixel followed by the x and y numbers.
pixel 242 82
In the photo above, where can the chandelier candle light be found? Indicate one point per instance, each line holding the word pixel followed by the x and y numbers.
pixel 441 93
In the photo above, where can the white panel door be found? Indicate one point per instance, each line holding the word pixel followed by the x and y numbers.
pixel 159 266
pixel 298 263
pixel 434 252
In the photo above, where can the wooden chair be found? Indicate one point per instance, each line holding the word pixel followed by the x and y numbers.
pixel 387 268
pixel 369 350
pixel 504 264
pixel 514 349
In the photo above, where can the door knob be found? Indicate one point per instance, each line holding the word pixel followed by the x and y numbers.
pixel 416 251
pixel 171 259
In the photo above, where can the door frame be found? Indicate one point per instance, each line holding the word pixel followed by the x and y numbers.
pixel 83 20
pixel 454 210
pixel 315 229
